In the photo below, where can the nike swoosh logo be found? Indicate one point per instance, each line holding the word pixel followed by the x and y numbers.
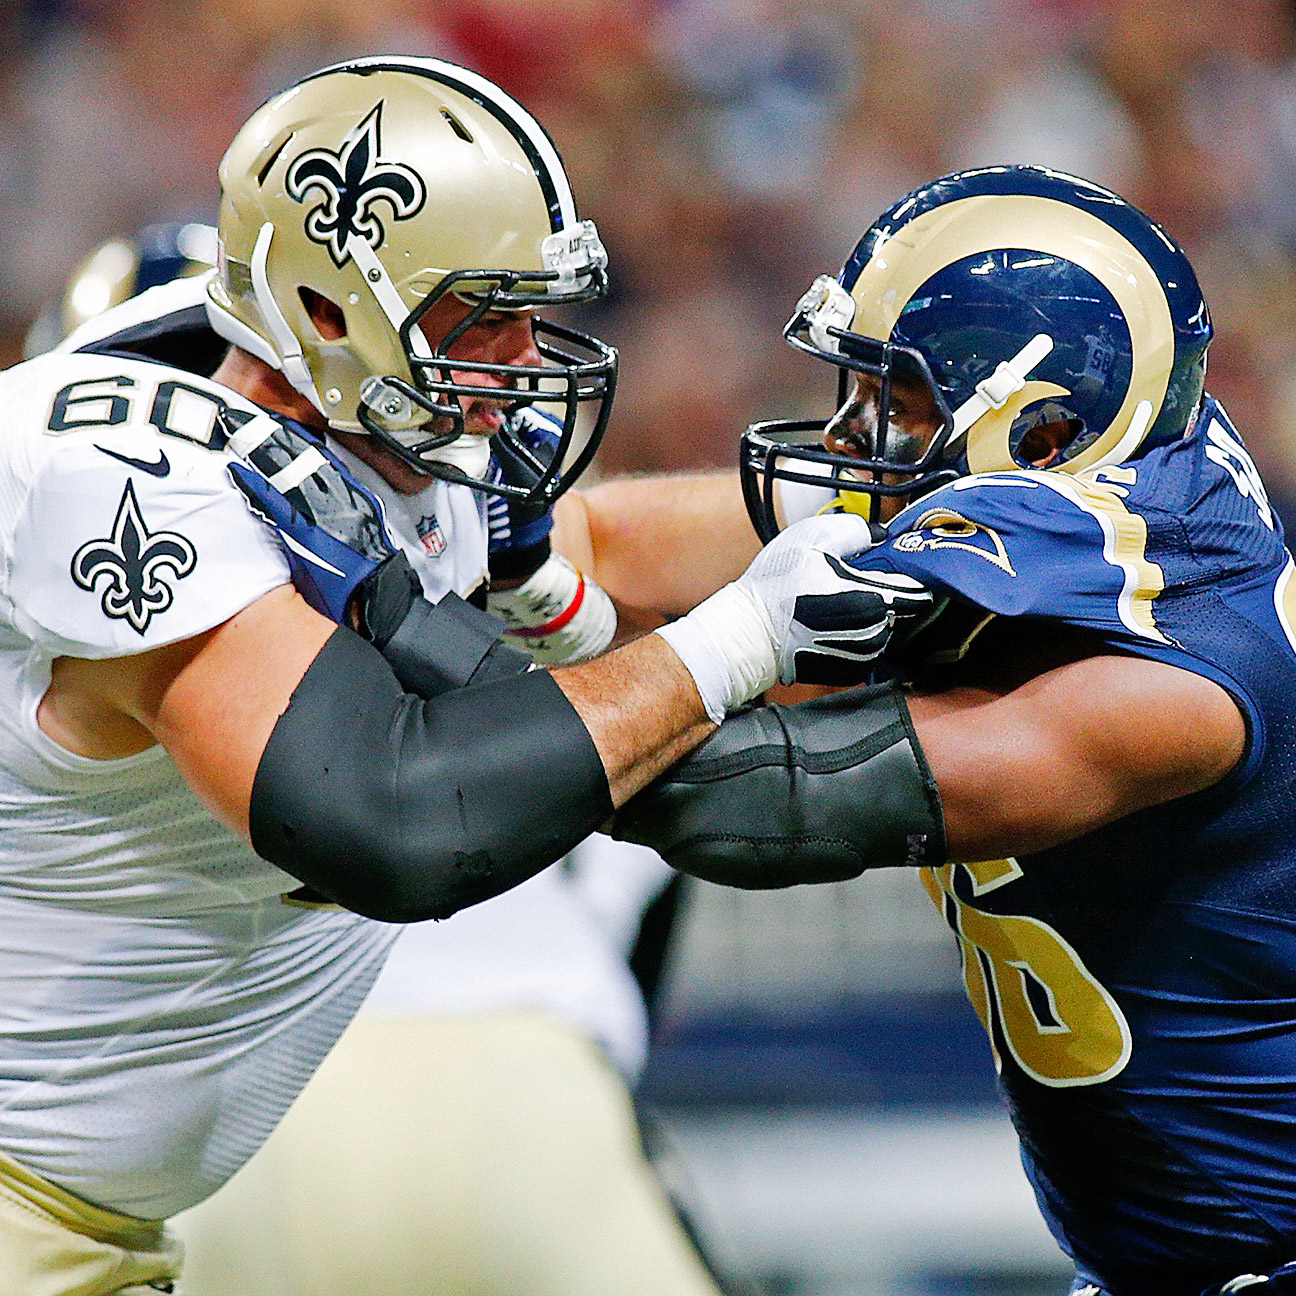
pixel 157 468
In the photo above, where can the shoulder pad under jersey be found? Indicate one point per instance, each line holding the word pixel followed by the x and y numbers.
pixel 1032 543
pixel 123 529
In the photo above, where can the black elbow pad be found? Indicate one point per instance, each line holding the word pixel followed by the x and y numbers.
pixel 816 792
pixel 448 645
pixel 404 809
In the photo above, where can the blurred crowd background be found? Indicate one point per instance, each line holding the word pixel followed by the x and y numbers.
pixel 730 150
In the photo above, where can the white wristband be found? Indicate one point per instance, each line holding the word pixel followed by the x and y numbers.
pixel 727 645
pixel 556 614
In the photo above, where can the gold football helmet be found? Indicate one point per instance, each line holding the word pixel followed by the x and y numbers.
pixel 381 185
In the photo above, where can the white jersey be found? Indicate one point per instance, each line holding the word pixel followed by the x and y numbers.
pixel 556 944
pixel 160 1005
pixel 559 942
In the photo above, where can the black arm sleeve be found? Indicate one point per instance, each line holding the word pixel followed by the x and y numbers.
pixel 816 792
pixel 431 647
pixel 403 809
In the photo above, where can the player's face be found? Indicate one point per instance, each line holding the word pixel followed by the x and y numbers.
pixel 854 429
pixel 498 337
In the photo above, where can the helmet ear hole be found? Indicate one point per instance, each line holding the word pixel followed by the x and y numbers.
pixel 457 126
pixel 1046 444
pixel 1045 435
pixel 326 316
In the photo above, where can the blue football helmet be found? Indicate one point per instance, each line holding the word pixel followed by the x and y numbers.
pixel 1017 296
pixel 118 270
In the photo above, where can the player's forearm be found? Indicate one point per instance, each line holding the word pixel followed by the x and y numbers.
pixel 642 710
pixel 404 809
pixel 659 545
pixel 781 796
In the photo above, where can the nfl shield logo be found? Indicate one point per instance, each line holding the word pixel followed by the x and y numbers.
pixel 429 530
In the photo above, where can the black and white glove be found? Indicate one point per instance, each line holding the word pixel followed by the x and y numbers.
pixel 837 637
pixel 749 635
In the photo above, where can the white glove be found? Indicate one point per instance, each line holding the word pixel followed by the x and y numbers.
pixel 749 634
pixel 835 637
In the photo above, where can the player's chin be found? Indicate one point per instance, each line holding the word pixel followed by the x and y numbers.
pixel 481 420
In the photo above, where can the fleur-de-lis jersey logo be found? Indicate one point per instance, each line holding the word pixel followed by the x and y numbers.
pixel 131 558
pixel 351 182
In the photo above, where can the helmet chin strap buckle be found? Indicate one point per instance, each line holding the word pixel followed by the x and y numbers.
pixel 388 405
pixel 1007 380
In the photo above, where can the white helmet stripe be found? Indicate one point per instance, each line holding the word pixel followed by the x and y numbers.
pixel 384 291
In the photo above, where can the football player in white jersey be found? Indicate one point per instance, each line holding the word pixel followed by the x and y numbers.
pixel 518 1023
pixel 188 739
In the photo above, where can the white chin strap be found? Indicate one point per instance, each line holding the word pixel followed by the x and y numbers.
pixel 287 346
pixel 1010 377
pixel 469 454
pixel 1007 380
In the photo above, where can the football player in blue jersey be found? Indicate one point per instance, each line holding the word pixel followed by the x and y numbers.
pixel 1088 746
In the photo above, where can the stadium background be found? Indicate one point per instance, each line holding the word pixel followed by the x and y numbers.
pixel 819 1087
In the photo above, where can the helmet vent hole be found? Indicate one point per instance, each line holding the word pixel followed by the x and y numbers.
pixel 326 316
pixel 457 126
pixel 272 159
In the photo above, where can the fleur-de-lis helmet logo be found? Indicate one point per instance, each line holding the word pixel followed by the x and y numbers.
pixel 131 558
pixel 352 181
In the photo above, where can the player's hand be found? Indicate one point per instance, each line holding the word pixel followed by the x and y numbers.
pixel 343 561
pixel 747 636
pixel 519 533
pixel 828 621
pixel 837 635
pixel 557 615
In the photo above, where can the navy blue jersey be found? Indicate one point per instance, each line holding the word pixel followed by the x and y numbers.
pixel 1138 984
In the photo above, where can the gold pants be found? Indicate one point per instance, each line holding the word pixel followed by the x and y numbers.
pixel 53 1243
pixel 486 1155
